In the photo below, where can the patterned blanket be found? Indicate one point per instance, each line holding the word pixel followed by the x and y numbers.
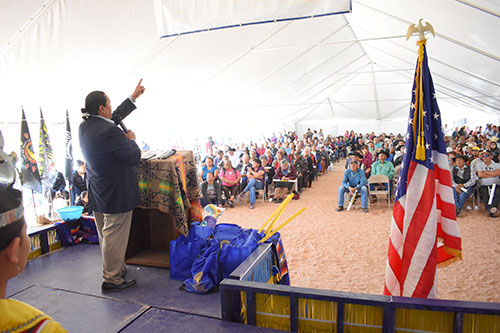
pixel 172 187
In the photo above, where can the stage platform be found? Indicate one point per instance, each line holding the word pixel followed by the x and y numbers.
pixel 66 284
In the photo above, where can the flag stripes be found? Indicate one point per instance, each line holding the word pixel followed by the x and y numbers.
pixel 424 231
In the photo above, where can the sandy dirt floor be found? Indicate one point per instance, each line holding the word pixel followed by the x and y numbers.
pixel 347 251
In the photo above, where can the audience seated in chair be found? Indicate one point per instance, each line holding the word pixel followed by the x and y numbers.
pixel 367 160
pixel 270 171
pixel 83 201
pixel 354 181
pixel 209 167
pixel 245 165
pixel 383 167
pixel 463 182
pixel 300 165
pixel 488 172
pixel 78 182
pixel 256 177
pixel 285 172
pixel 217 161
pixel 211 192
pixel 59 187
pixel 230 181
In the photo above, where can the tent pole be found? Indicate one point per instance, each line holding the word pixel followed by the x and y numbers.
pixel 454 41
pixel 295 58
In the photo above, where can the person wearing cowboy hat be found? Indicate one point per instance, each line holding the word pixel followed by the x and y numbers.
pixel 354 155
pixel 383 167
pixel 463 181
pixel 354 180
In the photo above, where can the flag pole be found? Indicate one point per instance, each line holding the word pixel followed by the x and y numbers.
pixel 33 198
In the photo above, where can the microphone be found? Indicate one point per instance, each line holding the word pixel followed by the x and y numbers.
pixel 119 121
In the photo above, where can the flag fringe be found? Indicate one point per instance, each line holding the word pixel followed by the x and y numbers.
pixel 457 256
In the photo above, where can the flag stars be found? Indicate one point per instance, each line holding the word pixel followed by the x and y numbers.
pixel 424 112
pixel 435 136
pixel 408 136
pixel 434 95
pixel 435 115
pixel 410 121
pixel 412 106
pixel 427 146
pixel 432 159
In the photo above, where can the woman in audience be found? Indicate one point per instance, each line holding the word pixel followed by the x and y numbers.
pixel 16 316
pixel 255 181
pixel 300 165
pixel 277 160
pixel 245 165
pixel 211 192
pixel 285 172
pixel 268 168
pixel 230 179
pixel 209 167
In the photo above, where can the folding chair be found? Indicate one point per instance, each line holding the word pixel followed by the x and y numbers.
pixel 375 181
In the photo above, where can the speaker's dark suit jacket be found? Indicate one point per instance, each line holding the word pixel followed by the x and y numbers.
pixel 111 162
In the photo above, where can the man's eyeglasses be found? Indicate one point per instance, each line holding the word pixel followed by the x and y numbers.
pixel 485 155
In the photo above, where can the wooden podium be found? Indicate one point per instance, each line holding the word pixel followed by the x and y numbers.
pixel 170 193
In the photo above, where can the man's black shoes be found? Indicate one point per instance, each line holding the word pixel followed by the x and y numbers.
pixel 108 286
pixel 339 209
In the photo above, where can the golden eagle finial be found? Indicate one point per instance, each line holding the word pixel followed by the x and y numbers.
pixel 421 29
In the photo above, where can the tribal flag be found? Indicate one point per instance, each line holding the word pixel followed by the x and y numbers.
pixel 424 230
pixel 29 169
pixel 45 153
pixel 68 164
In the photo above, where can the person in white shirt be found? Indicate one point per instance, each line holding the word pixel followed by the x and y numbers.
pixel 488 173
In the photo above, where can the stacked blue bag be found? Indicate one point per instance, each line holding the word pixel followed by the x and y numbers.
pixel 206 255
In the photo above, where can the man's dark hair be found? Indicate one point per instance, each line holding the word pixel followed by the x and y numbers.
pixel 79 163
pixel 93 101
pixel 258 161
pixel 10 199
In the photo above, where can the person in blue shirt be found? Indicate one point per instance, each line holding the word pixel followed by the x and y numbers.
pixel 354 180
pixel 209 167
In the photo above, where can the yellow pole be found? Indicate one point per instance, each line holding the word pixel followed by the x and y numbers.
pixel 282 209
pixel 269 219
pixel 282 225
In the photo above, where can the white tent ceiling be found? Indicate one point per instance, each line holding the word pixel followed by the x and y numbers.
pixel 338 72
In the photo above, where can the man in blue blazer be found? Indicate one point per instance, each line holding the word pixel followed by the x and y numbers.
pixel 111 157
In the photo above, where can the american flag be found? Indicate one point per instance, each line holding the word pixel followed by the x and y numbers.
pixel 424 230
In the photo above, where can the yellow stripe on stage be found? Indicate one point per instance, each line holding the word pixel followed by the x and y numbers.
pixel 424 321
pixel 481 323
